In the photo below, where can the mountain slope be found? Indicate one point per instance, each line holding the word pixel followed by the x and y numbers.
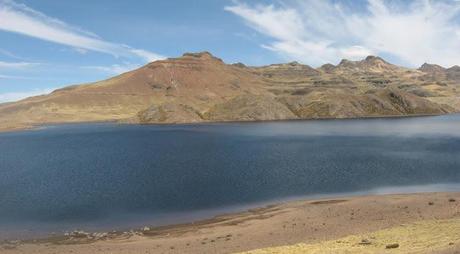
pixel 196 80
pixel 199 87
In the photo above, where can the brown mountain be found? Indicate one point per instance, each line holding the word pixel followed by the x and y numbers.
pixel 441 73
pixel 432 68
pixel 370 64
pixel 199 87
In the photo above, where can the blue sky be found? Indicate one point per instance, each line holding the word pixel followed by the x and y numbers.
pixel 48 44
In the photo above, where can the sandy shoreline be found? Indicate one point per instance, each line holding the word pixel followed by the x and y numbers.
pixel 305 222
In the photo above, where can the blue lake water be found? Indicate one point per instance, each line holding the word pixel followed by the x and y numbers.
pixel 109 176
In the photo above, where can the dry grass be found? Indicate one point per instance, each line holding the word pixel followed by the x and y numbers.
pixel 421 237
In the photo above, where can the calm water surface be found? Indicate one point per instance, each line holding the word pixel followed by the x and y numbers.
pixel 107 176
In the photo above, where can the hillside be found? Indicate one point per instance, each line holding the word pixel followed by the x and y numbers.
pixel 199 87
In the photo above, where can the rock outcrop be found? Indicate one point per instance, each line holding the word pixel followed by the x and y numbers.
pixel 249 107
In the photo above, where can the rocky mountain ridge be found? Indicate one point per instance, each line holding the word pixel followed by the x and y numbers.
pixel 199 87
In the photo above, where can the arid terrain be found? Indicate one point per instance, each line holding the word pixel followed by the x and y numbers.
pixel 199 87
pixel 408 223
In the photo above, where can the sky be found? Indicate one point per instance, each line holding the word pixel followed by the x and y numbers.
pixel 48 44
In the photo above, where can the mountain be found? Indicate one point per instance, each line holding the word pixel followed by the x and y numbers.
pixel 199 87
pixel 432 68
pixel 453 73
pixel 440 73
pixel 369 64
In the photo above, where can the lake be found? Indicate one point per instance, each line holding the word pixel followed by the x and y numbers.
pixel 109 176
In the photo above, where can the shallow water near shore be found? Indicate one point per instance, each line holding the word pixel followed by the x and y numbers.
pixel 101 177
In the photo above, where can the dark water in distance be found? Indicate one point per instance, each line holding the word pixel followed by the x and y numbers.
pixel 107 176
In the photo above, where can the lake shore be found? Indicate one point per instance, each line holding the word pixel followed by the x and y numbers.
pixel 368 223
pixel 12 127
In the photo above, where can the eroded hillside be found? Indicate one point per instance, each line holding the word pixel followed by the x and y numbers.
pixel 199 87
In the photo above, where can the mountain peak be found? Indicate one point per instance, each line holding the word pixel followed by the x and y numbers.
pixel 204 55
pixel 370 63
pixel 294 63
pixel 374 59
pixel 287 70
pixel 198 54
pixel 371 57
pixel 344 62
pixel 327 67
pixel 454 68
pixel 239 65
pixel 431 68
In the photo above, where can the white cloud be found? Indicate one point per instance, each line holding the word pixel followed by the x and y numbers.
pixel 19 18
pixel 16 65
pixel 2 76
pixel 15 96
pixel 355 52
pixel 114 69
pixel 147 55
pixel 317 32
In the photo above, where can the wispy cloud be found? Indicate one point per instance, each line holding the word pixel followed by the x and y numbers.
pixel 19 18
pixel 317 32
pixel 16 65
pixel 3 76
pixel 114 69
pixel 147 55
pixel 15 96
pixel 10 55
